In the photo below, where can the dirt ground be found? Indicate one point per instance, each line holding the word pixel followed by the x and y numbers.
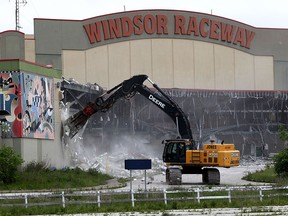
pixel 229 177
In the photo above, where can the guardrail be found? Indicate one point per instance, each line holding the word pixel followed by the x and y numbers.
pixel 102 197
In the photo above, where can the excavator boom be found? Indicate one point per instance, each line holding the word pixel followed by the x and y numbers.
pixel 128 89
pixel 125 89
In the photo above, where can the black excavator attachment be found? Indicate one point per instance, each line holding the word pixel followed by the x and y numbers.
pixel 126 89
pixel 77 121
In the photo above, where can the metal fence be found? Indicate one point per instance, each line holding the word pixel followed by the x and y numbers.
pixel 103 197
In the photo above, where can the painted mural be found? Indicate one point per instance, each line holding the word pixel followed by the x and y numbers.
pixel 26 105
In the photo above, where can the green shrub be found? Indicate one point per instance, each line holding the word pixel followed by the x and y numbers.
pixel 283 133
pixel 281 163
pixel 35 166
pixel 9 162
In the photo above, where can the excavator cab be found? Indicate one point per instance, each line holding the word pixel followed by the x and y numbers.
pixel 175 150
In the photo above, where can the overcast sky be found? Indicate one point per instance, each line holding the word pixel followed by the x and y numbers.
pixel 258 13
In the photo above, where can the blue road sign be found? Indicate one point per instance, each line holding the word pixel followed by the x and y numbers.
pixel 138 164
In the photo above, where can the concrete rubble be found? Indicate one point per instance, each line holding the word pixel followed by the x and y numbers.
pixel 114 164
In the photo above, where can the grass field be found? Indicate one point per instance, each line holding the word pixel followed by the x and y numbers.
pixel 38 178
pixel 267 175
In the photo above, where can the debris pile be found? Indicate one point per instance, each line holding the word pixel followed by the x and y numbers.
pixel 248 160
pixel 112 162
pixel 87 156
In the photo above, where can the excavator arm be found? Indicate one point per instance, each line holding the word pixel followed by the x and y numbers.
pixel 128 89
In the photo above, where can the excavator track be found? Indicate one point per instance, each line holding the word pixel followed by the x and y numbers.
pixel 211 176
pixel 173 176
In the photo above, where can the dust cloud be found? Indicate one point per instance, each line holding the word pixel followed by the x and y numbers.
pixel 106 152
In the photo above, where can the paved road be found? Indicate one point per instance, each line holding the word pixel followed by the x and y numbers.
pixel 229 177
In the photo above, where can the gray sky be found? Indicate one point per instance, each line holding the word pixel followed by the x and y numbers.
pixel 258 13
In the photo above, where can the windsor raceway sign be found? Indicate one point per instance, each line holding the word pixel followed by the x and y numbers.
pixel 158 25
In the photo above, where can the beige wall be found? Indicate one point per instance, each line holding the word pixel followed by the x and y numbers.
pixel 29 48
pixel 171 63
pixel 74 64
pixel 224 61
pixel 118 63
pixel 183 63
pixel 264 78
pixel 204 65
pixel 97 60
pixel 141 61
pixel 51 152
pixel 162 62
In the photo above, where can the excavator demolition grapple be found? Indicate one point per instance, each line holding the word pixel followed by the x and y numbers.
pixel 180 154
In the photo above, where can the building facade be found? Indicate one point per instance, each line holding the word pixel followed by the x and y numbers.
pixel 176 48
pixel 186 53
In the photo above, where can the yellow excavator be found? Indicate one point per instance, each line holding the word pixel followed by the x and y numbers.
pixel 180 154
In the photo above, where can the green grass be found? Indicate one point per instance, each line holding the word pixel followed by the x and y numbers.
pixel 141 206
pixel 45 179
pixel 267 175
